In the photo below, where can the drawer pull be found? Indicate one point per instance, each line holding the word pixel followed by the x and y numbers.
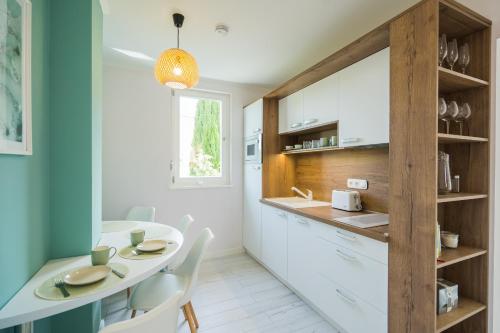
pixel 310 121
pixel 302 221
pixel 346 237
pixel 350 140
pixel 295 125
pixel 257 130
pixel 344 297
pixel 283 215
pixel 346 256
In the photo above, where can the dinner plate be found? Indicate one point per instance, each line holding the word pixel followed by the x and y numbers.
pixel 152 245
pixel 86 275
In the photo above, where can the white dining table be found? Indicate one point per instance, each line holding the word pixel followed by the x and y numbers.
pixel 25 307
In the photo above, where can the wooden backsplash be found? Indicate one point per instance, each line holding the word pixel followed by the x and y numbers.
pixel 323 172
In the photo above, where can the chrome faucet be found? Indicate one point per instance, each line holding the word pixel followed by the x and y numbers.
pixel 309 195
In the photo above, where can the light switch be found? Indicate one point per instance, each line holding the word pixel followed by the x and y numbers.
pixel 359 184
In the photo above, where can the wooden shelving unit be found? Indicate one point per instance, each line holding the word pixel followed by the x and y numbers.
pixel 466 309
pixel 466 213
pixel 451 197
pixel 453 256
pixel 415 141
pixel 444 138
pixel 452 81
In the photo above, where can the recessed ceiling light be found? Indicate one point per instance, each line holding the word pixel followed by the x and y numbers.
pixel 134 54
pixel 222 29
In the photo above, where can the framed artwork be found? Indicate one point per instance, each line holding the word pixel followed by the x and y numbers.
pixel 15 77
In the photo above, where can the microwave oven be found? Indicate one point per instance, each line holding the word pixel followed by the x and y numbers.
pixel 253 149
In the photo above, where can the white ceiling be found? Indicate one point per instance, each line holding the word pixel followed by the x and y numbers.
pixel 268 41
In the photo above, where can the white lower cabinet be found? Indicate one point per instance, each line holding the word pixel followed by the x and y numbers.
pixel 300 254
pixel 274 240
pixel 345 308
pixel 343 274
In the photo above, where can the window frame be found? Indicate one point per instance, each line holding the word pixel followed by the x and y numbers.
pixel 175 181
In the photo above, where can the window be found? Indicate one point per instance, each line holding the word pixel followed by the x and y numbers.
pixel 201 139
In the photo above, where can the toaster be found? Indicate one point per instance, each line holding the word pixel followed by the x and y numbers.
pixel 346 200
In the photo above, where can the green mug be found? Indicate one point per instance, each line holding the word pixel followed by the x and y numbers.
pixel 100 255
pixel 137 236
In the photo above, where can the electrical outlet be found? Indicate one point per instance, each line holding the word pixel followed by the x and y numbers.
pixel 359 184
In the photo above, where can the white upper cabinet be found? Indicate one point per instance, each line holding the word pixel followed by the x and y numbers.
pixel 291 112
pixel 321 102
pixel 364 101
pixel 252 115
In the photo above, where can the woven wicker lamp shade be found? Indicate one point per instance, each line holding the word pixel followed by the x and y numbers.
pixel 177 69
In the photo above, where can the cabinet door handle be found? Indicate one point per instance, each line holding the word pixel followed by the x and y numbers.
pixel 257 130
pixel 350 140
pixel 256 167
pixel 346 237
pixel 295 125
pixel 283 215
pixel 346 256
pixel 310 121
pixel 345 297
pixel 302 220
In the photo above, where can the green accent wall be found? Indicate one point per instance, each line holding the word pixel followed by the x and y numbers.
pixel 50 203
pixel 24 180
pixel 72 136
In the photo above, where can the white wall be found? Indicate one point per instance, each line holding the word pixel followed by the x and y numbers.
pixel 137 153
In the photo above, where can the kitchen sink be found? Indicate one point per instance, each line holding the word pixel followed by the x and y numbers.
pixel 298 202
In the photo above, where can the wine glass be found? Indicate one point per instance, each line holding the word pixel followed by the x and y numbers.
pixel 452 55
pixel 463 114
pixel 450 113
pixel 464 57
pixel 443 49
pixel 441 108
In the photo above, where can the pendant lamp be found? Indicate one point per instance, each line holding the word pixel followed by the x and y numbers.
pixel 175 67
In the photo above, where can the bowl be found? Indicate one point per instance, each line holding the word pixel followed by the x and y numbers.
pixel 449 239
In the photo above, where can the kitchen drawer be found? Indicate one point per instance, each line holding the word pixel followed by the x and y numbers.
pixel 366 246
pixel 347 310
pixel 362 276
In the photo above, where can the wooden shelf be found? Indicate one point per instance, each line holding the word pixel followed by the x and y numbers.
pixel 451 197
pixel 466 309
pixel 310 150
pixel 453 256
pixel 452 138
pixel 457 21
pixel 451 81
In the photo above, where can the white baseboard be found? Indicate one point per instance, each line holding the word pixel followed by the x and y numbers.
pixel 224 253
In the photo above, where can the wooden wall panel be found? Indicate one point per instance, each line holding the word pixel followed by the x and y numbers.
pixel 323 172
pixel 278 170
pixel 413 171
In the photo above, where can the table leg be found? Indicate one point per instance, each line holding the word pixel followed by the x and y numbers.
pixel 25 328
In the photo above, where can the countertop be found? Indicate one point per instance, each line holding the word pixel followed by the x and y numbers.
pixel 330 215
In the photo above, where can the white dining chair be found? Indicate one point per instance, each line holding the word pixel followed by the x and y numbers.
pixel 183 227
pixel 141 213
pixel 152 291
pixel 185 224
pixel 161 319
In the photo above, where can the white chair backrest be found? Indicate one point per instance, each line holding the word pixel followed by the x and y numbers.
pixel 162 319
pixel 185 223
pixel 190 267
pixel 138 213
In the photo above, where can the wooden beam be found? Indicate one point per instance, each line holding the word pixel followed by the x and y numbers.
pixel 413 172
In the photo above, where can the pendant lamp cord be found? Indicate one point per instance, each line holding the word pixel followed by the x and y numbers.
pixel 177 37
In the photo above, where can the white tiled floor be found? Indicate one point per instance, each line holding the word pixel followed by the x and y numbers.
pixel 236 294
